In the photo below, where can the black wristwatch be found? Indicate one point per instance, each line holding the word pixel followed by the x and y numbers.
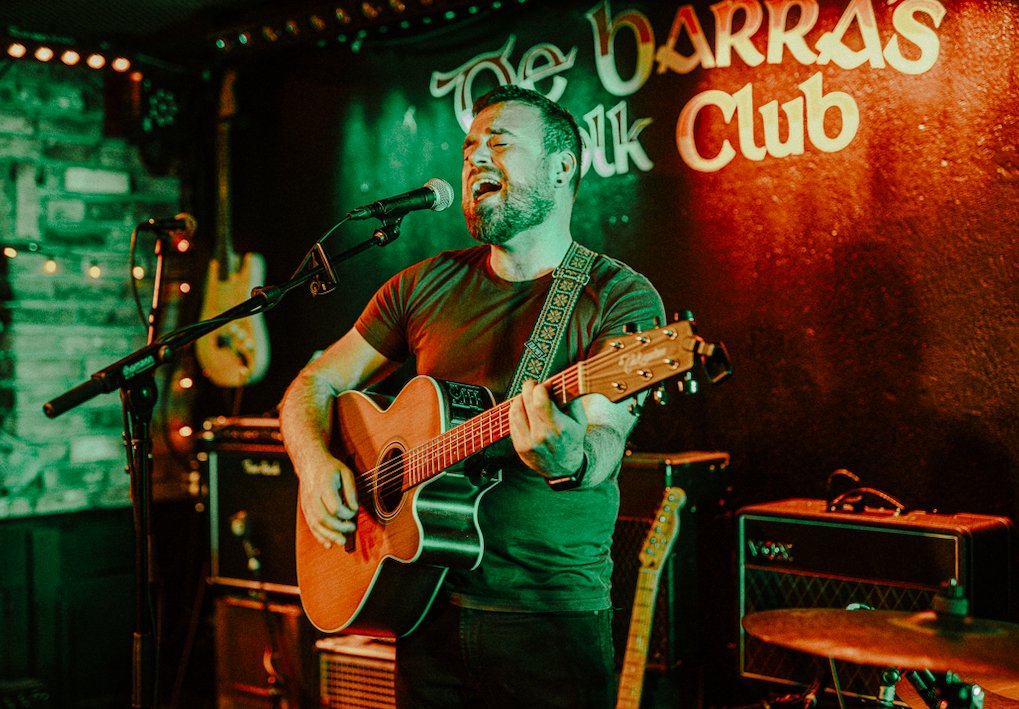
pixel 569 482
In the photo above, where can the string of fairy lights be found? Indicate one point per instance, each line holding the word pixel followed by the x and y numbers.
pixel 93 265
pixel 30 258
pixel 49 48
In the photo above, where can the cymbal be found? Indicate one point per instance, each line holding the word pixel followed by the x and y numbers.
pixel 969 647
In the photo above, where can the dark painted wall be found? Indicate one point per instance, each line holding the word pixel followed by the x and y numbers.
pixel 866 291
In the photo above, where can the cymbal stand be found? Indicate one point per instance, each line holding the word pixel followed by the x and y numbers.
pixel 945 691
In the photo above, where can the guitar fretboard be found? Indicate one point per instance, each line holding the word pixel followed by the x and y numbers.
pixel 461 442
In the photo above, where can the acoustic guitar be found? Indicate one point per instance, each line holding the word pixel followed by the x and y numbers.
pixel 653 555
pixel 417 512
pixel 236 354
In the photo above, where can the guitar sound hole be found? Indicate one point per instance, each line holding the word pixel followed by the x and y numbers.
pixel 389 483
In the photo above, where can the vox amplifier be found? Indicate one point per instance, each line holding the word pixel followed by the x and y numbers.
pixel 795 554
pixel 252 505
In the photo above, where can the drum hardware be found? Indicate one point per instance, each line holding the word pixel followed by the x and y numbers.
pixel 931 648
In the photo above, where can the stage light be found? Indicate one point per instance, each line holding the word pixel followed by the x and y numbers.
pixel 398 5
pixel 70 57
pixel 96 61
pixel 269 33
pixel 317 23
pixel 43 53
pixel 120 64
pixel 17 50
pixel 342 16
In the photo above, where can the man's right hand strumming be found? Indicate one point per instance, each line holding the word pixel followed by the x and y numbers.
pixel 329 502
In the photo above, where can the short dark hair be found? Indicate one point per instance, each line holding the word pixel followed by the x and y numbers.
pixel 561 129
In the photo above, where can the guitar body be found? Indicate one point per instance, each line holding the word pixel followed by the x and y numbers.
pixel 237 354
pixel 405 539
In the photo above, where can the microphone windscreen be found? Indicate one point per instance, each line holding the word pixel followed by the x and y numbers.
pixel 443 193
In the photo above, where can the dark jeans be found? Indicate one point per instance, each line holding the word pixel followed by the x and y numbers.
pixel 469 658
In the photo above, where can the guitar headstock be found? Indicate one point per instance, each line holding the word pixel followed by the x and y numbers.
pixel 664 529
pixel 637 361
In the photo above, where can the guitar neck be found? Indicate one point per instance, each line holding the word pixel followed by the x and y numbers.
pixel 628 366
pixel 461 442
pixel 224 212
pixel 631 681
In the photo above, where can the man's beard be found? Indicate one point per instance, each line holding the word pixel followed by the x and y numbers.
pixel 495 222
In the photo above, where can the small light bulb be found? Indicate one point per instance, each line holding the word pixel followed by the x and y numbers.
pixel 138 272
pixel 185 431
pixel 50 266
pixel 185 287
pixel 95 271
pixel 10 251
pixel 186 382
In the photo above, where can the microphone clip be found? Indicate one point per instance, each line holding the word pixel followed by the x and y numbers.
pixel 388 231
pixel 324 281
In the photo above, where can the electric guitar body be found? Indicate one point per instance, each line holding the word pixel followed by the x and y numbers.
pixel 238 353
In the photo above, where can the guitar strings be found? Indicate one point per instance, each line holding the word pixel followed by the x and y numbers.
pixel 434 456
pixel 428 459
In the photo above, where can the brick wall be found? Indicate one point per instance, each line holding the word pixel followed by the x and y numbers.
pixel 70 195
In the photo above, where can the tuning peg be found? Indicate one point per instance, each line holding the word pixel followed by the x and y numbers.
pixel 687 384
pixel 660 395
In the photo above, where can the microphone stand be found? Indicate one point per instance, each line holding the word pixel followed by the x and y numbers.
pixel 133 376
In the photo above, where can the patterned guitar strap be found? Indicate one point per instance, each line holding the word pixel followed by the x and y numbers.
pixel 568 281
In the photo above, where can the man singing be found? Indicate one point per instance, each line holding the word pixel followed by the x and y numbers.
pixel 531 626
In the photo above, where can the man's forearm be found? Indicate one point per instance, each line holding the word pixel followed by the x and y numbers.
pixel 304 420
pixel 603 449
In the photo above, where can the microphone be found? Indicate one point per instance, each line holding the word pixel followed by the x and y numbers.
pixel 436 195
pixel 182 222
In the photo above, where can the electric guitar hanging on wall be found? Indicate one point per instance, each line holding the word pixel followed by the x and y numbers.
pixel 237 354
pixel 653 555
pixel 417 512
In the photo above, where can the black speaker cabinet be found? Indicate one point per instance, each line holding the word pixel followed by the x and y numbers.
pixel 265 653
pixel 795 554
pixel 252 505
pixel 642 480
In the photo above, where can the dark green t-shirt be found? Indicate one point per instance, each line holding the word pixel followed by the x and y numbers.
pixel 544 550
